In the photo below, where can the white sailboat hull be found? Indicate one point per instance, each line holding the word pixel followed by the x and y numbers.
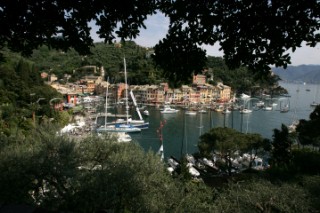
pixel 118 128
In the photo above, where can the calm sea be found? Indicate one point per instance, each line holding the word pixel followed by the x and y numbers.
pixel 181 132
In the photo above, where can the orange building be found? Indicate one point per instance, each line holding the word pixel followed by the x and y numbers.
pixel 71 98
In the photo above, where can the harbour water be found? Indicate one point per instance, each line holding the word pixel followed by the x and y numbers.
pixel 181 132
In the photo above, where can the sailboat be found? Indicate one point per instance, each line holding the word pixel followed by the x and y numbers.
pixel 285 108
pixel 141 124
pixel 119 127
pixel 126 127
pixel 245 110
pixel 121 136
pixel 146 112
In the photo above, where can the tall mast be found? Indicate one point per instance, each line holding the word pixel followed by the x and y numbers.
pixel 126 87
pixel 106 109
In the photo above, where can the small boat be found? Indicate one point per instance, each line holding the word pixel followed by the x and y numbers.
pixel 260 104
pixel 245 111
pixel 202 111
pixel 218 110
pixel 190 159
pixel 168 110
pixel 245 96
pixel 284 109
pixel 267 108
pixel 208 162
pixel 193 171
pixel 174 163
pixel 314 104
pixel 146 112
pixel 293 126
pixel 191 112
pixel 226 111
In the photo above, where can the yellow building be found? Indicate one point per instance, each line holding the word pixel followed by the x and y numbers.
pixel 225 92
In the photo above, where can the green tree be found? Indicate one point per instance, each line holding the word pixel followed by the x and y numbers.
pixel 96 173
pixel 307 130
pixel 229 143
pixel 179 64
pixel 20 88
pixel 255 195
pixel 223 141
pixel 281 147
pixel 23 70
pixel 256 146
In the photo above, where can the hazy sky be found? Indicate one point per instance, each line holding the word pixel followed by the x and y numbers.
pixel 157 26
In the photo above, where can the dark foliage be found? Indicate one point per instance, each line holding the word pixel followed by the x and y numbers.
pixel 250 33
pixel 64 24
pixel 308 130
pixel 179 58
pixel 21 89
pixel 306 161
pixel 281 147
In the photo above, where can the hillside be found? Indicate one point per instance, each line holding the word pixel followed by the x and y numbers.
pixel 302 73
pixel 141 68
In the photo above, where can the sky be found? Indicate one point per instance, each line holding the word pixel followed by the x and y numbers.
pixel 157 26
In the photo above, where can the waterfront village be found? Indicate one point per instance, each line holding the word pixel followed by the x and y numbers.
pixel 200 92
pixel 92 88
